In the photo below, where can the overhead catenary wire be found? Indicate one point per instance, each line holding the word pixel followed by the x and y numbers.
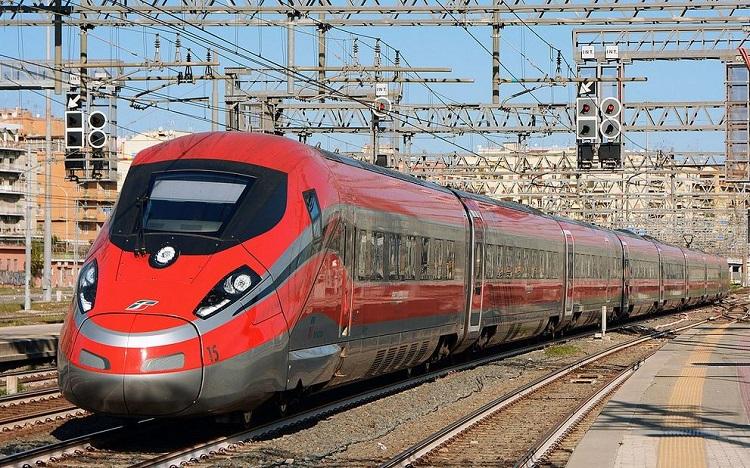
pixel 258 59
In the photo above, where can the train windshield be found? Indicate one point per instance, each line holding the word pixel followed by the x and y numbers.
pixel 197 203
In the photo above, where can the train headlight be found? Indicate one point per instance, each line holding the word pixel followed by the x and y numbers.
pixel 227 291
pixel 86 290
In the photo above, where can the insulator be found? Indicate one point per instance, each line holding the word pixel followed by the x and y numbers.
pixel 188 68
pixel 355 50
pixel 397 60
pixel 157 49
pixel 177 47
pixel 377 52
pixel 209 69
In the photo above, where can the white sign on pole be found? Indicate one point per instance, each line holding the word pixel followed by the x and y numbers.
pixel 587 52
pixel 381 89
pixel 612 52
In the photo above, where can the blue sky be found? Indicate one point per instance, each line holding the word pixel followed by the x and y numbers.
pixel 441 47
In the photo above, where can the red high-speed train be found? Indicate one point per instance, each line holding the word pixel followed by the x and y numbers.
pixel 238 267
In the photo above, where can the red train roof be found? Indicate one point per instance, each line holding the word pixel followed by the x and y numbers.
pixel 252 148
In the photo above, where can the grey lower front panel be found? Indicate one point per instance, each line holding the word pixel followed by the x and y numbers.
pixel 164 394
pixel 239 383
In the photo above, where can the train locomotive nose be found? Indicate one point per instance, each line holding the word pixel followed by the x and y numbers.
pixel 141 372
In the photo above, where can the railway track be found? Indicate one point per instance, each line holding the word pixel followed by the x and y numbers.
pixel 501 432
pixel 35 407
pixel 90 449
pixel 33 376
pixel 85 449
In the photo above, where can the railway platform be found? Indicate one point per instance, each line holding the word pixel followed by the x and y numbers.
pixel 28 342
pixel 687 406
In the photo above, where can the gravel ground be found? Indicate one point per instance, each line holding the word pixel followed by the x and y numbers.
pixel 372 433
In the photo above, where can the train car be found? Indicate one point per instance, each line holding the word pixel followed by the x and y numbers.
pixel 696 273
pixel 255 265
pixel 238 269
pixel 595 280
pixel 672 288
pixel 717 277
pixel 640 275
pixel 403 245
pixel 517 288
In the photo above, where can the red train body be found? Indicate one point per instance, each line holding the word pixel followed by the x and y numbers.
pixel 236 267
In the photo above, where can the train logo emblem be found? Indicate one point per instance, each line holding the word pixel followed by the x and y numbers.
pixel 141 304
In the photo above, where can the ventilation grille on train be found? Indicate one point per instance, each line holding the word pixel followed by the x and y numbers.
pixel 398 357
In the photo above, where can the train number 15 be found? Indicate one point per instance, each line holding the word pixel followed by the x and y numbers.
pixel 213 354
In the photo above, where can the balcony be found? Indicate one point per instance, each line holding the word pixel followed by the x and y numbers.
pixel 11 190
pixel 12 211
pixel 12 168
pixel 12 232
pixel 98 196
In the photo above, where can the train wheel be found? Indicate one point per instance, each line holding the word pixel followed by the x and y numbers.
pixel 240 418
pixel 282 405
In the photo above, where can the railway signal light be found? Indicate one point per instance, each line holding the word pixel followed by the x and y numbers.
pixel 586 128
pixel 97 137
pixel 611 127
pixel 74 130
pixel 586 118
pixel 610 107
pixel 585 107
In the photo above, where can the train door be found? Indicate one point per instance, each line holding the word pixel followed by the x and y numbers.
pixel 477 268
pixel 607 265
pixel 705 276
pixel 660 272
pixel 347 278
pixel 569 267
pixel 625 278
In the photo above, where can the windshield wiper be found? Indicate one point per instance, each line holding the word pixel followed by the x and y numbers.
pixel 140 241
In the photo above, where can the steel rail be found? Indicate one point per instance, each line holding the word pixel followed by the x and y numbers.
pixel 222 444
pixel 29 397
pixel 41 455
pixel 418 451
pixel 25 373
pixel 17 422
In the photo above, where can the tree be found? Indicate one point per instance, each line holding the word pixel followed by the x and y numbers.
pixel 37 257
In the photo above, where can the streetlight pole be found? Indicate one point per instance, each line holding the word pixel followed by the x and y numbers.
pixel 27 253
pixel 47 271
